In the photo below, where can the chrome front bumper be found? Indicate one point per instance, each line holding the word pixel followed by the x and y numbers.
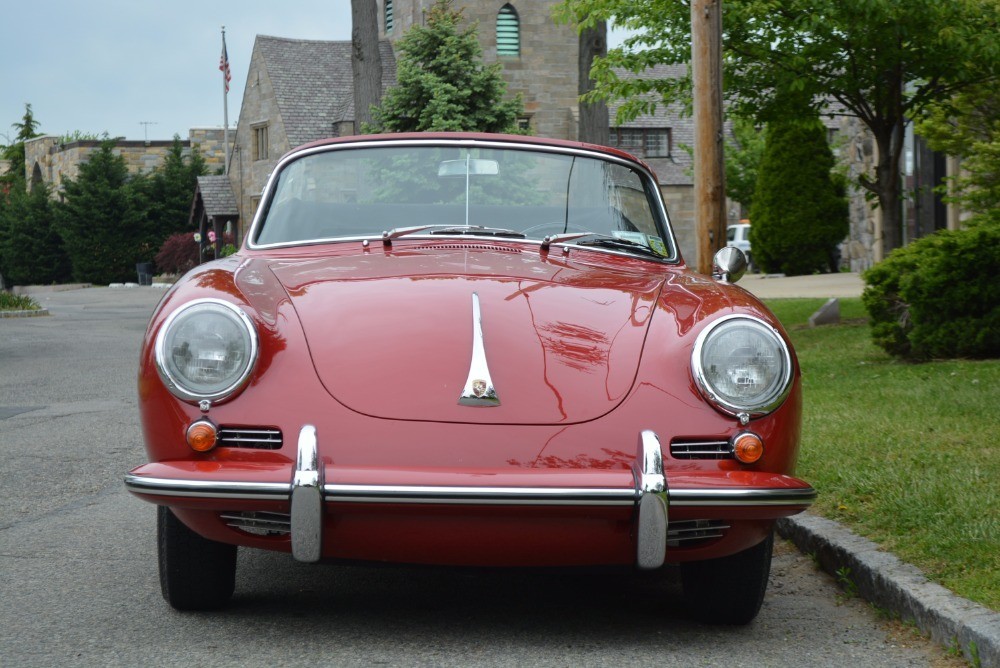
pixel 308 491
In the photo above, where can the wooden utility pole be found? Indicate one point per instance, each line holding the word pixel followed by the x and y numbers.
pixel 366 60
pixel 594 122
pixel 709 174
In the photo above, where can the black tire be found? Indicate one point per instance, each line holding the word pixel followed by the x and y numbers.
pixel 195 573
pixel 728 590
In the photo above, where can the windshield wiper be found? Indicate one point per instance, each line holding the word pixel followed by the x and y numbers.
pixel 480 231
pixel 605 241
pixel 398 232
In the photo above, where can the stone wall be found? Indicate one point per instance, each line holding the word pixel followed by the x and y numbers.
pixel 259 108
pixel 545 74
pixel 858 154
pixel 53 162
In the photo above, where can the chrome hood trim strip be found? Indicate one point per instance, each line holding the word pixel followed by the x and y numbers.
pixel 479 390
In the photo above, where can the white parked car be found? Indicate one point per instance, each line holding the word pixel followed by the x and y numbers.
pixel 738 236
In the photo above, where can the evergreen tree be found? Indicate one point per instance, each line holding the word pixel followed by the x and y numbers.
pixel 442 84
pixel 30 248
pixel 102 219
pixel 169 191
pixel 26 129
pixel 799 213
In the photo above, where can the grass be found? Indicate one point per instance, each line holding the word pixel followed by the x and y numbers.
pixel 12 302
pixel 904 454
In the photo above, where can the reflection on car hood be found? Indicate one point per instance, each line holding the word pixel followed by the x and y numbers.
pixel 391 335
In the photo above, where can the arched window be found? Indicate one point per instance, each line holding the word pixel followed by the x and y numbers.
pixel 388 16
pixel 508 32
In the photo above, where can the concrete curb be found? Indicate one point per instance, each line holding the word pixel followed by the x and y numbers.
pixel 899 588
pixel 24 314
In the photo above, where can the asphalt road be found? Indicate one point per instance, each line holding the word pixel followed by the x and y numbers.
pixel 78 580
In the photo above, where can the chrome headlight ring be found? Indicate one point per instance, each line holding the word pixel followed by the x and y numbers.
pixel 742 365
pixel 206 350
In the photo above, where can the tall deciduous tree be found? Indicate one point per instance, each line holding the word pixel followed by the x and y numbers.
pixel 442 84
pixel 969 126
pixel 882 61
pixel 366 61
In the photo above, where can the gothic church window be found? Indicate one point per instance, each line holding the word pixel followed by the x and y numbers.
pixel 508 32
pixel 260 143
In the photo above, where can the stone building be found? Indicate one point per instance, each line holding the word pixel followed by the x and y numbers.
pixel 299 91
pixel 49 160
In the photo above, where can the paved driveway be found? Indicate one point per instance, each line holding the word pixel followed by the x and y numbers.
pixel 78 582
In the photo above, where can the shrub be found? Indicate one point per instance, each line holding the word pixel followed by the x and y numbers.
pixel 939 297
pixel 178 254
pixel 799 213
pixel 12 302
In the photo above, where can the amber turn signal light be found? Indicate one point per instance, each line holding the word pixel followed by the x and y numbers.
pixel 747 447
pixel 202 435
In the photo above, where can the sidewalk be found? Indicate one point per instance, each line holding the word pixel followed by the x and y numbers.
pixel 772 286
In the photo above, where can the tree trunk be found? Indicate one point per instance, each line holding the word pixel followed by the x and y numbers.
pixel 366 61
pixel 594 124
pixel 887 186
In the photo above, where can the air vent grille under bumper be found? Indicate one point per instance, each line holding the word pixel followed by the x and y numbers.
pixel 259 522
pixel 687 532
pixel 258 438
pixel 701 449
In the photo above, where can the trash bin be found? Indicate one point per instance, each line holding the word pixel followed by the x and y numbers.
pixel 145 271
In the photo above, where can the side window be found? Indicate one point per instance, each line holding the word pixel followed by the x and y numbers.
pixel 388 16
pixel 508 32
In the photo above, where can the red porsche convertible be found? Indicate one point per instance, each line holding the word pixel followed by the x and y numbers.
pixel 468 349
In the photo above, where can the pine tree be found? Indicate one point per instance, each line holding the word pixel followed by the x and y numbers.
pixel 442 84
pixel 102 220
pixel 799 214
pixel 31 249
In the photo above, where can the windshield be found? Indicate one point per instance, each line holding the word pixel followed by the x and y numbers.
pixel 363 192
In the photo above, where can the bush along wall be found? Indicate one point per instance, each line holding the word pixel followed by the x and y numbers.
pixel 939 297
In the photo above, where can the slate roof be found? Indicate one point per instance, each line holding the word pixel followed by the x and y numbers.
pixel 675 170
pixel 313 83
pixel 217 196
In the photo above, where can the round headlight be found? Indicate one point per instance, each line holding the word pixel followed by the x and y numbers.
pixel 206 350
pixel 742 365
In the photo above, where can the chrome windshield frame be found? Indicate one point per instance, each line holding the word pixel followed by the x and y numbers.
pixel 649 179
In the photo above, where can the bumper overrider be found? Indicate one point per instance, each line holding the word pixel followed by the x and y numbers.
pixel 314 484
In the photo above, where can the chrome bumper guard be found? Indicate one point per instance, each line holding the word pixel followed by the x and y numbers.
pixel 308 491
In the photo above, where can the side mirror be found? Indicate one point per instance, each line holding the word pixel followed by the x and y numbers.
pixel 729 265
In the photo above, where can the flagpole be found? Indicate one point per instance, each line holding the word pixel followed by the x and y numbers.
pixel 225 99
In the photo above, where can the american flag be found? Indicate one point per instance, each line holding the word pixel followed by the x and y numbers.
pixel 224 64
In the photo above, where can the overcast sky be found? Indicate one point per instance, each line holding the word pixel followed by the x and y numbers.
pixel 110 65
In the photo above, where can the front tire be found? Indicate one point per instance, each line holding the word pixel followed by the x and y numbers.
pixel 728 590
pixel 195 573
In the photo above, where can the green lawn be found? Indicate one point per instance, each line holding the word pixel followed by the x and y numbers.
pixel 905 454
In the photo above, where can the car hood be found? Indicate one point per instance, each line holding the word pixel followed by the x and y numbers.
pixel 391 334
